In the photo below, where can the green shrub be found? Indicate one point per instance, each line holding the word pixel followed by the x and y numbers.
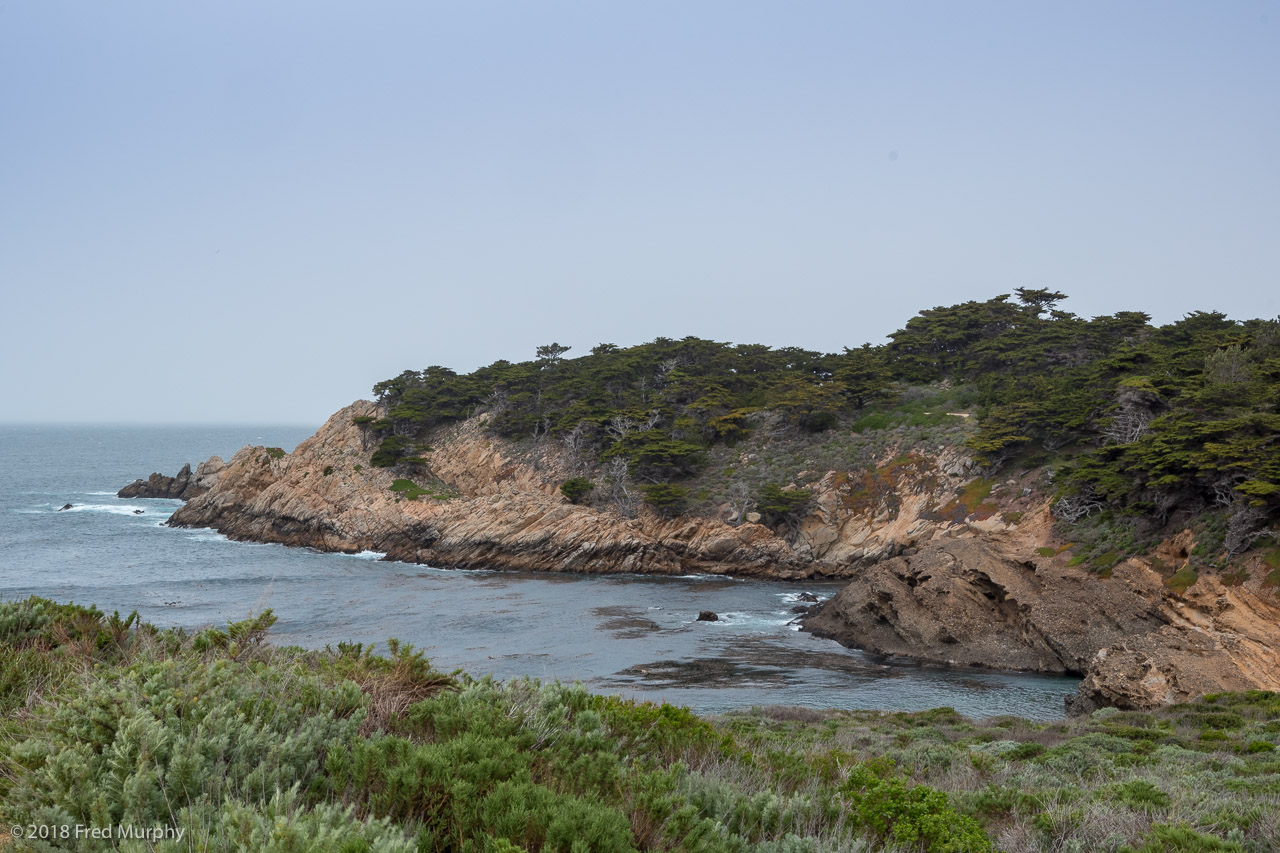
pixel 408 489
pixel 1030 749
pixel 873 421
pixel 391 450
pixel 914 815
pixel 164 735
pixel 284 823
pixel 1182 579
pixel 668 499
pixel 1138 794
pixel 1164 838
pixel 576 489
pixel 778 505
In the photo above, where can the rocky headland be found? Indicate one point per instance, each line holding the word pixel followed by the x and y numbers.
pixel 944 567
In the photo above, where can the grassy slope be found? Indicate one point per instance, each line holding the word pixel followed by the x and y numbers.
pixel 250 747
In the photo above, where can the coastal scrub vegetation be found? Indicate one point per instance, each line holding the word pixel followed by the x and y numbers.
pixel 1139 427
pixel 110 721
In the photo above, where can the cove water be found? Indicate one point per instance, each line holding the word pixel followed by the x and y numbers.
pixel 627 634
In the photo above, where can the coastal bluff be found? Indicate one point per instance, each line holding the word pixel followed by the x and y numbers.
pixel 932 578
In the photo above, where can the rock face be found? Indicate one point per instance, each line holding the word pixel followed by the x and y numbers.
pixel 183 486
pixel 1138 644
pixel 1215 638
pixel 860 518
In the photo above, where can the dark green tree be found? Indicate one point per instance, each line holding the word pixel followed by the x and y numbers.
pixel 576 489
pixel 782 507
pixel 668 499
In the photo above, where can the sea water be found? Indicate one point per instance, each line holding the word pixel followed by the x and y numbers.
pixel 627 634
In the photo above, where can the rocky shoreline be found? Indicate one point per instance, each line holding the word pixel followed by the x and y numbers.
pixel 931 578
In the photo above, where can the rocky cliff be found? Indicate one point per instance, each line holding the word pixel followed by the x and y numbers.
pixel 995 602
pixel 946 567
pixel 475 506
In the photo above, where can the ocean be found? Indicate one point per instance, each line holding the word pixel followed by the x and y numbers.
pixel 632 635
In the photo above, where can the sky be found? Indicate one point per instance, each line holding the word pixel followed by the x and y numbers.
pixel 248 212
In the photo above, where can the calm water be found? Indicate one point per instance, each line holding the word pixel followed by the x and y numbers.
pixel 626 634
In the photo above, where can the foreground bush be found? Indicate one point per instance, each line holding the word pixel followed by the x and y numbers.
pixel 109 722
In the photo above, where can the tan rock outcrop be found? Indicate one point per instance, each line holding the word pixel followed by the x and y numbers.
pixel 961 602
pixel 1215 638
pixel 981 602
pixel 501 513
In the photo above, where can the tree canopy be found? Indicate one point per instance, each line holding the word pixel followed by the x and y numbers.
pixel 1144 419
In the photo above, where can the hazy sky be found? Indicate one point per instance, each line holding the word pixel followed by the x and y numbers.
pixel 252 211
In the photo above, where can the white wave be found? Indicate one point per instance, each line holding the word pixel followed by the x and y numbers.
pixel 99 494
pixel 207 536
pixel 368 555
pixel 792 597
pixel 707 577
pixel 113 509
pixel 754 621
